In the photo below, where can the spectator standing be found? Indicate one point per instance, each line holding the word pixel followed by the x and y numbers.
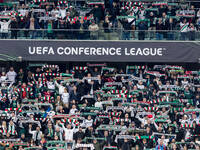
pixel 33 26
pixel 11 74
pixel 159 30
pixel 50 30
pixel 133 25
pixel 107 28
pixel 4 28
pixel 127 28
pixel 191 32
pixel 83 29
pixel 14 28
pixel 65 96
pixel 36 134
pixel 114 12
pixel 97 13
pixel 93 28
pixel 170 28
pixel 184 29
pixel 142 27
pixel 62 12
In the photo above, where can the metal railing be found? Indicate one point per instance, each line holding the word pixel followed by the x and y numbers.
pixel 101 34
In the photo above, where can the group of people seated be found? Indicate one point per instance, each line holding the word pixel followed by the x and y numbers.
pixel 100 107
pixel 100 20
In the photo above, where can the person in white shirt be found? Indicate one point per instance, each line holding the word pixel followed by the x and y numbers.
pixel 65 96
pixel 37 134
pixel 184 29
pixel 51 84
pixel 133 24
pixel 184 82
pixel 73 110
pixel 11 128
pixel 165 141
pixel 68 133
pixel 98 103
pixel 140 85
pixel 60 88
pixel 63 12
pixel 3 78
pixel 11 74
pixel 55 12
pixel 4 28
pixel 88 122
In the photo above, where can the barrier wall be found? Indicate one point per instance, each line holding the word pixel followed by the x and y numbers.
pixel 106 51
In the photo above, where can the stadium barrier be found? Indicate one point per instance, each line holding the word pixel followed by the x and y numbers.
pixel 112 51
pixel 101 34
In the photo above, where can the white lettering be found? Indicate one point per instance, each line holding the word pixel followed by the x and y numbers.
pixel 31 50
pixel 51 51
pixel 60 50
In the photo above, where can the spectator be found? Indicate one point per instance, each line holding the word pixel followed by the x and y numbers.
pixel 127 27
pixel 184 29
pixel 191 32
pixel 161 146
pixel 36 135
pixel 4 28
pixel 159 30
pixel 171 28
pixel 82 26
pixel 65 96
pixel 33 26
pixel 63 12
pixel 142 27
pixel 14 27
pixel 11 74
pixel 97 13
pixel 107 28
pixel 93 28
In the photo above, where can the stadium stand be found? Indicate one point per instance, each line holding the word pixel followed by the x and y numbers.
pixel 99 106
pixel 101 19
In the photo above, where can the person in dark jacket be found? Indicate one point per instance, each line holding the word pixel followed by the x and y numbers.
pixel 142 27
pixel 14 27
pixel 79 134
pixel 126 145
pixel 159 30
pixel 170 27
pixel 107 25
pixel 97 13
pixel 82 26
pixel 33 25
pixel 114 12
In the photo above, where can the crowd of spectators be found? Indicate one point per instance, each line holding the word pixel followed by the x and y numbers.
pixel 84 19
pixel 100 107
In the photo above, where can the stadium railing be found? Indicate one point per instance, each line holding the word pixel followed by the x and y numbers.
pixel 113 34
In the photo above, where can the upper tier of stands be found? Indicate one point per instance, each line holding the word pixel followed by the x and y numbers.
pixel 101 20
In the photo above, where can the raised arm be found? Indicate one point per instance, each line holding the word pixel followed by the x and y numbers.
pixel 132 21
